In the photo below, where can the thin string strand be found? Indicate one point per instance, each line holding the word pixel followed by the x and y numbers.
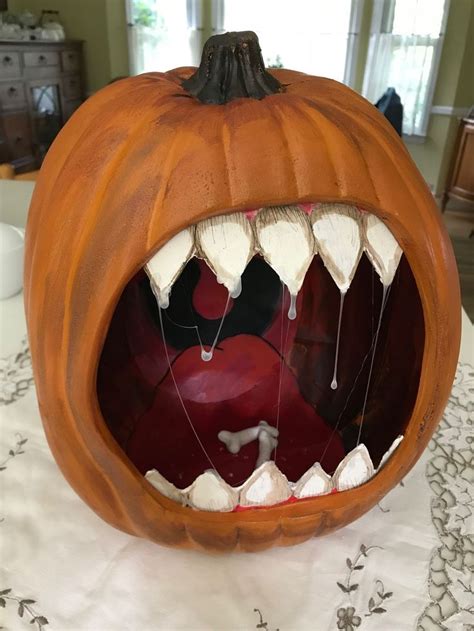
pixel 179 394
pixel 336 426
pixel 207 355
pixel 283 345
pixel 384 299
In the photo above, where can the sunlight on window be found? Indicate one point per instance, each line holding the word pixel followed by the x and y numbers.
pixel 163 39
pixel 422 17
pixel 310 35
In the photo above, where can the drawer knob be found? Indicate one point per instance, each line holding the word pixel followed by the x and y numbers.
pixel 7 61
pixel 18 139
pixel 41 59
pixel 11 91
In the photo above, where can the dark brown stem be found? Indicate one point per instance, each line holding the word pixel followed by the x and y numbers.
pixel 231 67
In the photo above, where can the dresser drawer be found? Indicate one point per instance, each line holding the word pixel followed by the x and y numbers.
pixel 70 60
pixel 12 95
pixel 72 87
pixel 18 134
pixel 9 65
pixel 41 58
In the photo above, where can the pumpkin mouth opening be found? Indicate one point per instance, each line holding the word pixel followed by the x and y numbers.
pixel 167 403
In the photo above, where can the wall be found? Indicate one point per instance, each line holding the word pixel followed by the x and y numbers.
pixel 103 27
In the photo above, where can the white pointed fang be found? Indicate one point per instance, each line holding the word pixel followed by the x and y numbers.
pixel 387 455
pixel 338 238
pixel 381 247
pixel 266 486
pixel 160 483
pixel 286 242
pixel 354 470
pixel 166 265
pixel 227 244
pixel 210 492
pixel 314 482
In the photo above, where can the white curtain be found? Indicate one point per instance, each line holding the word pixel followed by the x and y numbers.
pixel 404 49
pixel 163 34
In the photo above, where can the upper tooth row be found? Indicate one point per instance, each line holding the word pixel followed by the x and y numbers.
pixel 287 238
pixel 267 485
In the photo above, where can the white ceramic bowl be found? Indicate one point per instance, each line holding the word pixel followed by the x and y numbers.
pixel 12 245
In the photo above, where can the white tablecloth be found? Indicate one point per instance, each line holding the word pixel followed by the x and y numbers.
pixel 407 564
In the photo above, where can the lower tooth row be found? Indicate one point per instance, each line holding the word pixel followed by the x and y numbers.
pixel 267 485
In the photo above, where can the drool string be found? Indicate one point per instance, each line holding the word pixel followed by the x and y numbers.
pixel 206 356
pixel 283 344
pixel 385 293
pixel 186 413
pixel 336 355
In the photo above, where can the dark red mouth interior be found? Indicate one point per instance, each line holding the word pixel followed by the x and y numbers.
pixel 240 386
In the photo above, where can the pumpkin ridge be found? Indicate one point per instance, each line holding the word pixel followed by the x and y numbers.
pixel 273 108
pixel 315 122
pixel 168 165
pixel 326 112
pixel 90 222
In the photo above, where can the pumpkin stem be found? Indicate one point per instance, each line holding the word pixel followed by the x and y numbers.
pixel 231 67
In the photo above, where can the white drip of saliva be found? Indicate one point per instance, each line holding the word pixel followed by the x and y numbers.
pixel 206 356
pixel 292 308
pixel 336 355
pixel 382 307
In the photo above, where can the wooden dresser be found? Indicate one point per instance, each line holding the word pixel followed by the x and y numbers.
pixel 41 84
pixel 460 183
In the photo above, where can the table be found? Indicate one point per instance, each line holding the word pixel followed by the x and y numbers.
pixel 407 564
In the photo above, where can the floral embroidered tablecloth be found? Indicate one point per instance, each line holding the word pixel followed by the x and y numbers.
pixel 407 564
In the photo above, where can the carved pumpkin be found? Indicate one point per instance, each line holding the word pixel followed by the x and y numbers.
pixel 295 188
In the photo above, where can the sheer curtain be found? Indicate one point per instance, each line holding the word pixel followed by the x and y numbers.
pixel 163 34
pixel 404 50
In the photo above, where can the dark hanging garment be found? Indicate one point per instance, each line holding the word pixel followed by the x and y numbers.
pixel 391 107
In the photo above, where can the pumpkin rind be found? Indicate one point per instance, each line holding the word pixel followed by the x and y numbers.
pixel 140 161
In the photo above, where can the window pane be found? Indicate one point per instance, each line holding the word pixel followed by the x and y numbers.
pixel 419 17
pixel 161 38
pixel 310 35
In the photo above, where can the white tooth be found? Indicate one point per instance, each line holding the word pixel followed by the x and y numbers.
pixel 382 248
pixel 390 451
pixel 167 264
pixel 266 486
pixel 337 234
pixel 286 242
pixel 210 492
pixel 354 470
pixel 155 478
pixel 314 482
pixel 227 243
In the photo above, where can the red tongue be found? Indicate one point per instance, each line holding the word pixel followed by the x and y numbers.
pixel 235 390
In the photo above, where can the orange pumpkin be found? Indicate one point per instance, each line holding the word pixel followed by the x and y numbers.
pixel 147 158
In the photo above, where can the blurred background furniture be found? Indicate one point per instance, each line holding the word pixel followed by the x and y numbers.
pixel 41 84
pixel 460 184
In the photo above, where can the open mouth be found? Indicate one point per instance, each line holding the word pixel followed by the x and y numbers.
pixel 264 357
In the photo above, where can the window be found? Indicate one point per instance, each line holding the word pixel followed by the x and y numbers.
pixel 404 51
pixel 163 34
pixel 314 36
